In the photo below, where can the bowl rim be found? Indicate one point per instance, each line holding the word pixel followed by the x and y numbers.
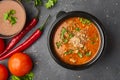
pixel 61 17
pixel 10 36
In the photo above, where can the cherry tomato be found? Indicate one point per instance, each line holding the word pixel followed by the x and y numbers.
pixel 3 72
pixel 20 64
pixel 2 45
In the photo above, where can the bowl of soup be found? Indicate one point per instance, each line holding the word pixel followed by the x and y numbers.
pixel 76 39
pixel 12 18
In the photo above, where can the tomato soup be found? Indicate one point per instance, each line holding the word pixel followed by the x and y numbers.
pixel 77 41
pixel 12 17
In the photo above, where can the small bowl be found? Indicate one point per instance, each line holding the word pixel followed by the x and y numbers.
pixel 10 36
pixel 61 16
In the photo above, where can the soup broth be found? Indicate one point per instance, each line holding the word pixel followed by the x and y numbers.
pixel 76 41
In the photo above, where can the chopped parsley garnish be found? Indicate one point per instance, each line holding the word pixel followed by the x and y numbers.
pixel 71 35
pixel 65 40
pixel 58 44
pixel 94 39
pixel 62 35
pixel 77 29
pixel 63 31
pixel 88 53
pixel 10 16
pixel 69 51
pixel 92 42
pixel 84 21
pixel 80 55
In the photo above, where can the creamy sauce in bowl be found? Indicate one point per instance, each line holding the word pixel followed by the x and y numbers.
pixel 6 27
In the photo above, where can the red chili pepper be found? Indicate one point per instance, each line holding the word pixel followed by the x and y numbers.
pixel 18 37
pixel 36 35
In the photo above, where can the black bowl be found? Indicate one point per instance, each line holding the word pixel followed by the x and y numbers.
pixel 60 18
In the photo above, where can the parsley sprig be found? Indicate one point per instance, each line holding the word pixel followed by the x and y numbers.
pixel 28 76
pixel 50 3
pixel 10 16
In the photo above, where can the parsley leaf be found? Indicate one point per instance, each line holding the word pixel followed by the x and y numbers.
pixel 65 40
pixel 71 35
pixel 62 35
pixel 6 16
pixel 80 55
pixel 14 78
pixel 89 53
pixel 63 31
pixel 50 3
pixel 37 2
pixel 10 16
pixel 58 44
pixel 85 21
pixel 28 76
pixel 69 51
pixel 77 29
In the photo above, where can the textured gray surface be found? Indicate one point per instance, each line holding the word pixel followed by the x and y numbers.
pixel 106 68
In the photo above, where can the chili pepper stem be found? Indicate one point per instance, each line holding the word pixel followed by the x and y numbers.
pixel 42 27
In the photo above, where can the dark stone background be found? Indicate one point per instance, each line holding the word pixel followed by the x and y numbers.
pixel 106 68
